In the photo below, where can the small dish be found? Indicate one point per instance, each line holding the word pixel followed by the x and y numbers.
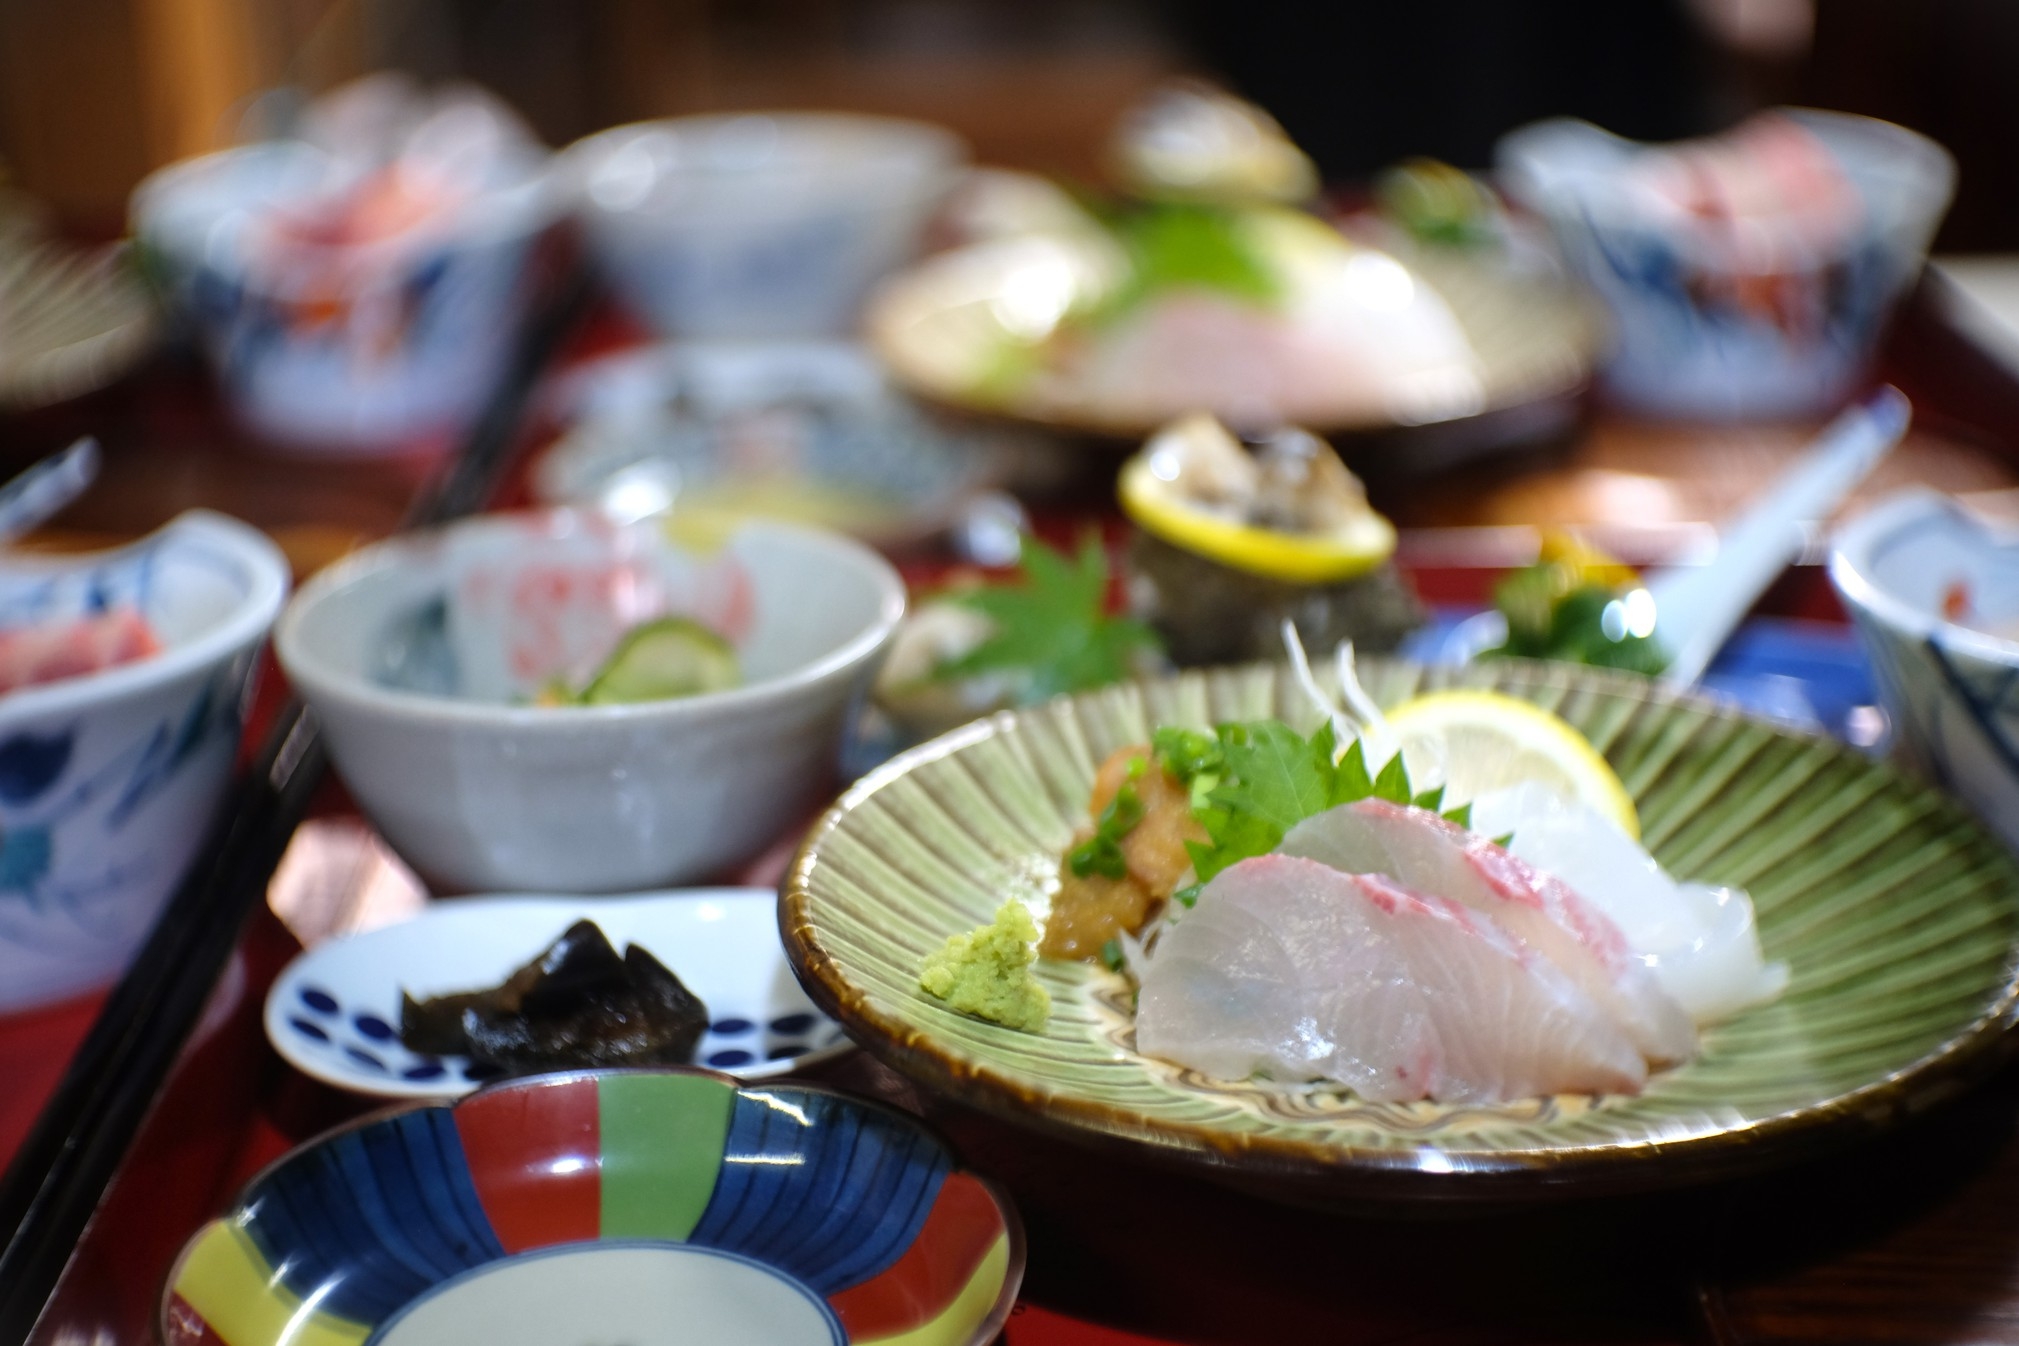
pixel 1935 597
pixel 1898 918
pixel 422 656
pixel 805 431
pixel 334 1012
pixel 757 224
pixel 655 1207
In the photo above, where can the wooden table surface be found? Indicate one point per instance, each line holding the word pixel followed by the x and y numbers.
pixel 1911 1237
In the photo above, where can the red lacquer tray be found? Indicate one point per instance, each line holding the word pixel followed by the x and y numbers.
pixel 1906 1238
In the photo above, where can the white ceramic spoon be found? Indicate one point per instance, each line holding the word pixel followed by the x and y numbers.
pixel 1696 607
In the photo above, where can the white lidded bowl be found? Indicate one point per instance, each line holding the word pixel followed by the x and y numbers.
pixel 757 225
pixel 414 657
pixel 1903 569
pixel 110 781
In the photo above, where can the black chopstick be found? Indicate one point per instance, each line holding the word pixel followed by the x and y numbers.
pixel 61 1171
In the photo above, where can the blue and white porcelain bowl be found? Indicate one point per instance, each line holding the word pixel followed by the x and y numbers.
pixel 1935 596
pixel 1697 330
pixel 355 346
pixel 109 781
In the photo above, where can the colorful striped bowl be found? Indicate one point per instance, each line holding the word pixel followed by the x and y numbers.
pixel 654 1207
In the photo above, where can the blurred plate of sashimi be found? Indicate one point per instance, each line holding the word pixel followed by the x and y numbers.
pixel 1887 919
pixel 1262 315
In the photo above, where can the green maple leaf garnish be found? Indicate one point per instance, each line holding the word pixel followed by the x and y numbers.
pixel 1265 778
pixel 1053 630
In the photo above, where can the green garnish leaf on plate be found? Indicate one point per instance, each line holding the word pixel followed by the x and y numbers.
pixel 1176 246
pixel 1269 779
pixel 1101 853
pixel 1053 629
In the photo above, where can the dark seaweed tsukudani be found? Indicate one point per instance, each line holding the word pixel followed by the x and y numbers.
pixel 576 1005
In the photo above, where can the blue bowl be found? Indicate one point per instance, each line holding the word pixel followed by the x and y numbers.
pixel 1697 331
pixel 109 781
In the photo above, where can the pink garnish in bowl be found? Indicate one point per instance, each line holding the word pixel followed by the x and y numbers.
pixel 53 651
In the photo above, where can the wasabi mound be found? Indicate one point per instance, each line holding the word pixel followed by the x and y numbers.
pixel 987 972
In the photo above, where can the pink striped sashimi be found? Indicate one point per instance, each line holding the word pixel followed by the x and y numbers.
pixel 1292 968
pixel 1430 854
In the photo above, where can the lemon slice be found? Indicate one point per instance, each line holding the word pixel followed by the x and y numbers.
pixel 1158 508
pixel 1486 740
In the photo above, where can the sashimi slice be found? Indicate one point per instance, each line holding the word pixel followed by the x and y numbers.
pixel 1431 854
pixel 1292 968
pixel 1700 941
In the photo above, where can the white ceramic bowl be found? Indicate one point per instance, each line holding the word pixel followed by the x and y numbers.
pixel 757 225
pixel 350 347
pixel 110 781
pixel 1692 334
pixel 1903 569
pixel 417 654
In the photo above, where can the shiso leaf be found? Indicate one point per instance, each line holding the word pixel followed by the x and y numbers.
pixel 1269 779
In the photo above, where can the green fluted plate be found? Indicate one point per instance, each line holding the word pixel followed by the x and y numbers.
pixel 1898 917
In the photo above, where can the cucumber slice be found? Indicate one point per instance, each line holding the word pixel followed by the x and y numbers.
pixel 657 660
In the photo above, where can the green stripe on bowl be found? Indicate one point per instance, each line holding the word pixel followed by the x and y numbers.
pixel 1897 915
pixel 662 1139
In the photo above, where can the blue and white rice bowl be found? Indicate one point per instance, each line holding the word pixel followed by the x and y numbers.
pixel 364 346
pixel 1687 340
pixel 1903 569
pixel 110 781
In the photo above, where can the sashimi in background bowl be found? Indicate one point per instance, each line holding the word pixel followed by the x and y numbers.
pixel 334 1012
pixel 648 1206
pixel 1897 916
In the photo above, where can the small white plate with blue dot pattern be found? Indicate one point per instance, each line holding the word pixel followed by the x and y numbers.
pixel 334 1012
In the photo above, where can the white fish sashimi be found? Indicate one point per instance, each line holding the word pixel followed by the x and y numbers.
pixel 1430 854
pixel 1292 968
pixel 1700 942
